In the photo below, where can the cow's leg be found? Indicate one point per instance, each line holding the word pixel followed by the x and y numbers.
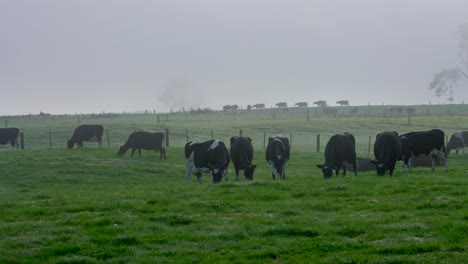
pixel 354 167
pixel 237 173
pixel 199 177
pixel 273 170
pixel 337 170
pixel 188 170
pixel 133 151
pixel 100 144
pixel 445 164
pixel 433 164
pixel 463 150
pixel 139 152
pixel 344 165
pixel 283 170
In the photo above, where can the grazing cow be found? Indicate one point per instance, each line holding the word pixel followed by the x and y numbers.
pixel 387 150
pixel 144 140
pixel 242 155
pixel 90 133
pixel 340 149
pixel 302 104
pixel 342 102
pixel 9 136
pixel 258 106
pixel 277 155
pixel 282 104
pixel 429 143
pixel 209 156
pixel 458 141
pixel 320 103
pixel 226 108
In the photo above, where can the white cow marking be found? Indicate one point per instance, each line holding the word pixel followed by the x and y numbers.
pixel 214 145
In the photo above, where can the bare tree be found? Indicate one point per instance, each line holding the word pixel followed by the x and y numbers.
pixel 444 81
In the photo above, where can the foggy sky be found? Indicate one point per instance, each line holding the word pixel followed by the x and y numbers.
pixel 88 56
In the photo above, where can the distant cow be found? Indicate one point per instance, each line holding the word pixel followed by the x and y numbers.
pixel 342 102
pixel 144 140
pixel 429 143
pixel 320 103
pixel 340 150
pixel 302 104
pixel 209 156
pixel 241 155
pixel 282 104
pixel 234 107
pixel 258 106
pixel 226 108
pixel 457 141
pixel 387 150
pixel 90 133
pixel 9 136
pixel 277 155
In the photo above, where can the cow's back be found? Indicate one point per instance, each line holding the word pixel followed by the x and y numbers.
pixel 9 135
pixel 146 140
pixel 86 132
pixel 241 151
pixel 340 148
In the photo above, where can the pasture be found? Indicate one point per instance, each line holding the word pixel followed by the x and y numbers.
pixel 90 206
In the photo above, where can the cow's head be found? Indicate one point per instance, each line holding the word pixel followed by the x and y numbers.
pixel 379 166
pixel 70 143
pixel 122 151
pixel 326 170
pixel 437 155
pixel 249 171
pixel 218 174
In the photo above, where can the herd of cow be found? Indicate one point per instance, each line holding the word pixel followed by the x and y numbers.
pixel 213 157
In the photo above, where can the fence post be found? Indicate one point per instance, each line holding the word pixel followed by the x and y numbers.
pixel 108 140
pixel 308 115
pixel 290 141
pixel 167 137
pixel 368 147
pixel 6 123
pixel 186 135
pixel 274 114
pixel 50 139
pixel 409 118
pixel 234 116
pixel 318 143
pixel 79 122
pixel 22 140
pixel 158 119
pixel 167 117
pixel 241 132
pixel 211 134
pixel 264 140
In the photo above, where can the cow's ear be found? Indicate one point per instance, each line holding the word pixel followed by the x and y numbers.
pixel 374 161
pixel 320 166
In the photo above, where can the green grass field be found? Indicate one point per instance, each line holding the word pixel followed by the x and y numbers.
pixel 90 206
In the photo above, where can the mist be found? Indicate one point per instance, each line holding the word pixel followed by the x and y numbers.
pixel 115 56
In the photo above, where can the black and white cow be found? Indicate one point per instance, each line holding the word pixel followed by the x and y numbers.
pixel 387 150
pixel 9 136
pixel 429 143
pixel 209 156
pixel 340 150
pixel 458 141
pixel 144 140
pixel 82 133
pixel 241 155
pixel 277 155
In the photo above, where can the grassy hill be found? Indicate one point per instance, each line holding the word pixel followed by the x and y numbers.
pixel 90 206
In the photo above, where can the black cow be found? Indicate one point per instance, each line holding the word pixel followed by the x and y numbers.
pixel 241 155
pixel 9 136
pixel 90 133
pixel 429 143
pixel 277 155
pixel 387 150
pixel 209 156
pixel 302 104
pixel 342 102
pixel 458 141
pixel 340 149
pixel 144 140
